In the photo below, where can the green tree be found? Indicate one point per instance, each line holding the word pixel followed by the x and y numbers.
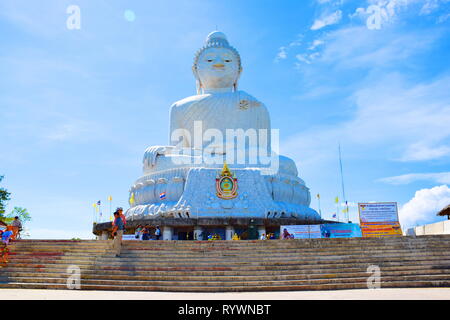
pixel 22 213
pixel 24 217
pixel 4 197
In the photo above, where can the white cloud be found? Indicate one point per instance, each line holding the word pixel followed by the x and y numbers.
pixel 384 114
pixel 297 42
pixel 429 6
pixel 440 177
pixel 391 116
pixel 302 58
pixel 424 206
pixel 281 55
pixel 443 18
pixel 327 20
pixel 316 43
pixel 358 47
pixel 359 13
pixel 421 152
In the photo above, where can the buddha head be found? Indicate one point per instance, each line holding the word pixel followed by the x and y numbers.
pixel 217 65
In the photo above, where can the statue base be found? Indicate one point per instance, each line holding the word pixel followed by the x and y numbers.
pixel 200 228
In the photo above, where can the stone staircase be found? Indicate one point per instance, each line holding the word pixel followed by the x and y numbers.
pixel 218 266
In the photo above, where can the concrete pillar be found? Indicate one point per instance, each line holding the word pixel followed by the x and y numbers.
pixel 197 232
pixel 167 233
pixel 104 235
pixel 261 230
pixel 229 232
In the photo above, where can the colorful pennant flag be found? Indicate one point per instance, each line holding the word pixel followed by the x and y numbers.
pixel 131 200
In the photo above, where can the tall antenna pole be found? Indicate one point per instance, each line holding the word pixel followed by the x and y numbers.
pixel 342 182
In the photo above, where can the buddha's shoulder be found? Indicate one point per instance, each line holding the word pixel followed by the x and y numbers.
pixel 186 102
pixel 247 96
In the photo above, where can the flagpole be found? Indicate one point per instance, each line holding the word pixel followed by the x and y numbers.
pixel 342 181
pixel 110 207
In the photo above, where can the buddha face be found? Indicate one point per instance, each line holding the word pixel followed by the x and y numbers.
pixel 217 68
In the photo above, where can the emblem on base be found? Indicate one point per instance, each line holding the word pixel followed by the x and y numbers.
pixel 226 184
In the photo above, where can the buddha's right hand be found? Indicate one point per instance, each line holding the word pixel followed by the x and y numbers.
pixel 152 152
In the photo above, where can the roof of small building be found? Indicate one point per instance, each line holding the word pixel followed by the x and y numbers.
pixel 445 211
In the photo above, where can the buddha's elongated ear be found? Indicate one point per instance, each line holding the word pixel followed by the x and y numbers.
pixel 198 84
pixel 235 84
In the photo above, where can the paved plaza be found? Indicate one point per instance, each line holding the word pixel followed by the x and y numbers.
pixel 363 294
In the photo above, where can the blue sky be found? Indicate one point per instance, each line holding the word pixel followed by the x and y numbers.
pixel 79 107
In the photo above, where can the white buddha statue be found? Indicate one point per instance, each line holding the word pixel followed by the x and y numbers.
pixel 179 180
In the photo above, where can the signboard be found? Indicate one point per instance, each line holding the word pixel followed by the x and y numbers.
pixel 379 219
pixel 300 231
pixel 341 230
pixel 130 237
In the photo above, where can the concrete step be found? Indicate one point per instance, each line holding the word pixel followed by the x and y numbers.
pixel 220 288
pixel 399 267
pixel 245 243
pixel 229 283
pixel 220 256
pixel 210 266
pixel 246 269
pixel 192 251
pixel 9 276
pixel 229 260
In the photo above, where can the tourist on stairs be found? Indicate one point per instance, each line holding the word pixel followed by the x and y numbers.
pixel 158 233
pixel 117 233
pixel 146 232
pixel 17 227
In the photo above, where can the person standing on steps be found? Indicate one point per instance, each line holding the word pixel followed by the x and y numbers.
pixel 146 232
pixel 17 227
pixel 117 233
pixel 122 216
pixel 5 237
pixel 157 233
pixel 137 233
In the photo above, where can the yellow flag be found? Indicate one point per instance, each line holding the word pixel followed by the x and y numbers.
pixel 110 198
pixel 345 210
pixel 94 205
pixel 131 201
pixel 336 200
